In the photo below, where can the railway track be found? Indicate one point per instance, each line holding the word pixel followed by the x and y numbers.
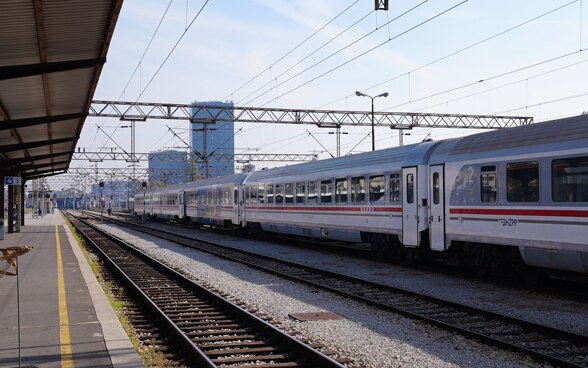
pixel 198 327
pixel 544 343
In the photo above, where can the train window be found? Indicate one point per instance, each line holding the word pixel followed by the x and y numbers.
pixel 410 188
pixel 377 189
pixel 279 193
pixel 289 193
pixel 358 189
pixel 226 197
pixel 261 194
pixel 269 192
pixel 326 191
pixel 341 190
pixel 569 180
pixel 312 192
pixel 488 184
pixel 253 195
pixel 436 188
pixel 300 195
pixel 522 183
pixel 394 188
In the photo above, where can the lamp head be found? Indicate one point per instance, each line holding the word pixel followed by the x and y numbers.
pixel 357 93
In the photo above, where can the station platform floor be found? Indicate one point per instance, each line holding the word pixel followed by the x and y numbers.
pixel 54 313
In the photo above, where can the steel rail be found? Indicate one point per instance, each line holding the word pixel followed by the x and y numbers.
pixel 569 349
pixel 296 353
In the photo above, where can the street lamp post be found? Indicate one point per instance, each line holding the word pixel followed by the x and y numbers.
pixel 385 94
pixel 144 216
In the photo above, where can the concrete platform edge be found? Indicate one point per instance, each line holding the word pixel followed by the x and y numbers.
pixel 121 351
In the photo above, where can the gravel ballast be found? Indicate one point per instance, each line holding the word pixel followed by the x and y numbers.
pixel 371 337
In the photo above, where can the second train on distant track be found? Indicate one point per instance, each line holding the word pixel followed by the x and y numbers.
pixel 515 197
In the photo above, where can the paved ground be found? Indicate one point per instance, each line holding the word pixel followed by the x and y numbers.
pixel 54 313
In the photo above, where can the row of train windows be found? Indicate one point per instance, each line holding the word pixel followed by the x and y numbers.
pixel 340 190
pixel 569 181
pixel 217 197
pixel 166 200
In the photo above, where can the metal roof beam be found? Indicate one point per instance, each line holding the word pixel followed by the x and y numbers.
pixel 49 164
pixel 20 71
pixel 42 174
pixel 23 146
pixel 16 161
pixel 21 123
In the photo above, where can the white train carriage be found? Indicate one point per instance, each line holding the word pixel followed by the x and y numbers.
pixel 143 203
pixel 517 196
pixel 167 202
pixel 354 198
pixel 522 190
pixel 214 201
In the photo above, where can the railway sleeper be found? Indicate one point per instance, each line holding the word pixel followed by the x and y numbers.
pixel 267 358
pixel 222 351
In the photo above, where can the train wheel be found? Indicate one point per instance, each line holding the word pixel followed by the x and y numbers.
pixel 481 271
pixel 530 275
pixel 379 246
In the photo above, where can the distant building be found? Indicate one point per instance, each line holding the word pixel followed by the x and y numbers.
pixel 169 167
pixel 114 191
pixel 215 139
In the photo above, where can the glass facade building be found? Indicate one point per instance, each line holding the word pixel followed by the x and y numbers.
pixel 214 139
pixel 169 167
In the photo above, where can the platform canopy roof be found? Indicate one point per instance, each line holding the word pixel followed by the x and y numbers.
pixel 51 56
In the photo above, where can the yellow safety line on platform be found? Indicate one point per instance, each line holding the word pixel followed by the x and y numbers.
pixel 66 355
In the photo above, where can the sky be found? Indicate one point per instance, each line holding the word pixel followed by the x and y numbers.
pixel 503 57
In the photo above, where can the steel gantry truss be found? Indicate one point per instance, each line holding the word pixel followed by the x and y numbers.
pixel 322 118
pixel 171 157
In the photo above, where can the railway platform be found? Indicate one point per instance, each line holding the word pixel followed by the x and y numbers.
pixel 54 313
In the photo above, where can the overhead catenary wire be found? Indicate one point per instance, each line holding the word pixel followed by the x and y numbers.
pixel 337 52
pixel 172 50
pixel 369 50
pixel 454 53
pixel 135 71
pixel 146 48
pixel 559 57
pixel 309 55
pixel 526 79
pixel 291 51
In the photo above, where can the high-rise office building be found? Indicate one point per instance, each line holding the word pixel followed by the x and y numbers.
pixel 214 139
pixel 169 167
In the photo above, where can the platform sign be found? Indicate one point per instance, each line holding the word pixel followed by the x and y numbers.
pixel 12 180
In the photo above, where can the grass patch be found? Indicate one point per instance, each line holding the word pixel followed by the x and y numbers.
pixel 149 356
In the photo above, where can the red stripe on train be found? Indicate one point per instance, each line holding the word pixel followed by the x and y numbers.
pixel 519 212
pixel 317 208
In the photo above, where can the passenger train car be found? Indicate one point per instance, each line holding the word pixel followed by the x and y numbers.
pixel 515 197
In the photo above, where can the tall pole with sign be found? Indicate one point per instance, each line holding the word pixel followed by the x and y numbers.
pixel 144 216
pixel 13 182
pixel 101 184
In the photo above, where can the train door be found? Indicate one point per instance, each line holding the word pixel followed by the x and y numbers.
pixel 437 209
pixel 182 206
pixel 410 218
pixel 237 205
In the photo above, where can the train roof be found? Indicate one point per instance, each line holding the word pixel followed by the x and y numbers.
pixel 221 180
pixel 361 163
pixel 551 135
